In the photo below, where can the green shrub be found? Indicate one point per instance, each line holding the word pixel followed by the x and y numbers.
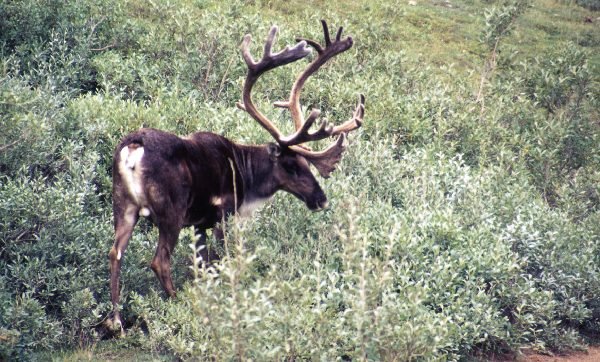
pixel 457 227
pixel 558 79
pixel 26 327
pixel 590 4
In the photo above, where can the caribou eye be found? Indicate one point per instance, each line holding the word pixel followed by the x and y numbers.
pixel 291 168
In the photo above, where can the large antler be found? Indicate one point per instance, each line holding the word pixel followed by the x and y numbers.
pixel 330 50
pixel 256 69
pixel 326 160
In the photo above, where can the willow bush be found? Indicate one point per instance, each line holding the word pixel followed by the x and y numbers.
pixel 456 228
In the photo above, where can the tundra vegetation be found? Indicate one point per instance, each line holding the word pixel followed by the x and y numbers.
pixel 464 218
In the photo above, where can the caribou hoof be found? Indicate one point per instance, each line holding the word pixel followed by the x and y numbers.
pixel 115 325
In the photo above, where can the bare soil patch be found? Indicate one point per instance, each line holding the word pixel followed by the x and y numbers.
pixel 591 355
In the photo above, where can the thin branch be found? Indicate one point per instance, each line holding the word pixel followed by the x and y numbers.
pixel 489 67
pixel 7 146
pixel 104 48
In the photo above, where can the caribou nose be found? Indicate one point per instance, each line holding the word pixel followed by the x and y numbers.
pixel 321 205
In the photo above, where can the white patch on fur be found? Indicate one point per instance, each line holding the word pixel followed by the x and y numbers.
pixel 216 201
pixel 248 207
pixel 119 255
pixel 130 214
pixel 130 168
pixel 144 211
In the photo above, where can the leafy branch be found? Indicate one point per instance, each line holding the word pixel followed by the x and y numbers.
pixel 498 25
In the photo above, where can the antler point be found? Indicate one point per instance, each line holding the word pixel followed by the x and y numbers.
pixel 282 104
pixel 338 36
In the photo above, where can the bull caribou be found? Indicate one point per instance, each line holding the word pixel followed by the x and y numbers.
pixel 204 178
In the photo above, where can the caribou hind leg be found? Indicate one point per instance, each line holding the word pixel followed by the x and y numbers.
pixel 161 264
pixel 125 220
pixel 168 209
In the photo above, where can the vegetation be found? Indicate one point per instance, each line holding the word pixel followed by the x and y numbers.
pixel 464 217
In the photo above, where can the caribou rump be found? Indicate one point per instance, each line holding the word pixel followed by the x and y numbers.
pixel 202 179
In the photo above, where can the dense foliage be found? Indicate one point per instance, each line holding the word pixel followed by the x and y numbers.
pixel 464 217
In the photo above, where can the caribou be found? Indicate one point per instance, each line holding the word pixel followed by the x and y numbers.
pixel 204 178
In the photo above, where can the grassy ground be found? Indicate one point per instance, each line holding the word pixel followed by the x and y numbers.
pixel 477 213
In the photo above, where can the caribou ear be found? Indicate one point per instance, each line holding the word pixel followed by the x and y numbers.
pixel 274 151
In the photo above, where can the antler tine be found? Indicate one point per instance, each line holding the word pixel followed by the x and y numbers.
pixel 326 33
pixel 246 51
pixel 272 60
pixel 356 120
pixel 339 33
pixel 303 134
pixel 269 43
pixel 256 69
pixel 326 36
pixel 313 44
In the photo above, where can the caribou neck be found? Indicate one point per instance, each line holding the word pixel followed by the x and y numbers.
pixel 255 168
